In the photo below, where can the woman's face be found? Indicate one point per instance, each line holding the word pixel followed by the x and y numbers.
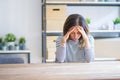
pixel 75 35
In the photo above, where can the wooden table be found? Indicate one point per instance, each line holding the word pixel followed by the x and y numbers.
pixel 61 71
pixel 17 52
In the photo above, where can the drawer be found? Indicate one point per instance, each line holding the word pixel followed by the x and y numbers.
pixel 107 48
pixel 51 47
pixel 55 25
pixel 56 16
pixel 55 12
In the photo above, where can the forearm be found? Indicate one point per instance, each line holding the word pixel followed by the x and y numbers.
pixel 89 54
pixel 61 53
pixel 87 43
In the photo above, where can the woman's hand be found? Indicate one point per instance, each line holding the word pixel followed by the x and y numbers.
pixel 66 36
pixel 81 30
pixel 84 35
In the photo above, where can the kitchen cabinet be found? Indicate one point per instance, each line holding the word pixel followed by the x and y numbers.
pixel 107 48
pixel 55 16
pixel 51 11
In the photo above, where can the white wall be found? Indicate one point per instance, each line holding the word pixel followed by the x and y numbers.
pixel 23 18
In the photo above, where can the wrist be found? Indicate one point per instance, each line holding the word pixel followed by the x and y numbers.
pixel 87 44
pixel 63 42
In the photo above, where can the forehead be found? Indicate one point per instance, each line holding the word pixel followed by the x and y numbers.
pixel 76 30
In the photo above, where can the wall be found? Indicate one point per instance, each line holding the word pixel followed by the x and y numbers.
pixel 23 18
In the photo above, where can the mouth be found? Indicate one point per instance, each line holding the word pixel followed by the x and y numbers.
pixel 75 39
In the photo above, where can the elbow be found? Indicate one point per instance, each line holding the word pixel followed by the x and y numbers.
pixel 90 60
pixel 60 57
pixel 60 60
pixel 89 56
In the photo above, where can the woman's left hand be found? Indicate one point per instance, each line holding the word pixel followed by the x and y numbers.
pixel 84 35
pixel 81 30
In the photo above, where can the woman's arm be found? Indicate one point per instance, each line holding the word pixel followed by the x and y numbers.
pixel 89 45
pixel 60 50
pixel 89 55
pixel 61 45
pixel 89 51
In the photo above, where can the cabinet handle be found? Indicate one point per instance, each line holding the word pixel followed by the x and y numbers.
pixel 56 9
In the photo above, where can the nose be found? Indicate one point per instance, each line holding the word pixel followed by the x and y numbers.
pixel 76 35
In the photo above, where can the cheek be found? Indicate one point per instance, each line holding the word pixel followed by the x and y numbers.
pixel 79 35
pixel 71 36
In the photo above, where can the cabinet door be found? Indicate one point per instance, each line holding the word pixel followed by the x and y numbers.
pixel 55 16
pixel 51 47
pixel 107 48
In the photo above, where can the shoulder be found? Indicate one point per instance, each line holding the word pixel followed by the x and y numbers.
pixel 58 41
pixel 90 37
pixel 59 38
pixel 91 40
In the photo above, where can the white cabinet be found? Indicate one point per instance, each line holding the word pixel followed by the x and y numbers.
pixel 107 48
pixel 55 16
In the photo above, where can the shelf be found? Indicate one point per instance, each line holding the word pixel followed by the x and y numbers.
pixel 94 33
pixel 105 33
pixel 84 3
pixel 118 31
pixel 15 51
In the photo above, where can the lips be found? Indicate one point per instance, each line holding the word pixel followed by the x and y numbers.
pixel 75 39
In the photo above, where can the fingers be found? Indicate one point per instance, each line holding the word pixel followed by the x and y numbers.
pixel 81 30
pixel 66 36
pixel 80 27
pixel 70 31
pixel 72 28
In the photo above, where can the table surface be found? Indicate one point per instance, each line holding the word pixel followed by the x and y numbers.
pixel 15 51
pixel 27 51
pixel 61 71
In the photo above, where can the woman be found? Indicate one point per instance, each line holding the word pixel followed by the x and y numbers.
pixel 76 44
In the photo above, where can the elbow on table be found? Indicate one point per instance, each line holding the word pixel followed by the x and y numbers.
pixel 59 60
pixel 89 60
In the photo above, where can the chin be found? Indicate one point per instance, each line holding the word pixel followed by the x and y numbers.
pixel 75 40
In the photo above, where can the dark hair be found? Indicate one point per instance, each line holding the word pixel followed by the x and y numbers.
pixel 73 20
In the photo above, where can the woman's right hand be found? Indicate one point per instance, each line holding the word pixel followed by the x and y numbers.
pixel 66 36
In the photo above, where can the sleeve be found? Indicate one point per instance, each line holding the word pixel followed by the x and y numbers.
pixel 60 50
pixel 89 52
